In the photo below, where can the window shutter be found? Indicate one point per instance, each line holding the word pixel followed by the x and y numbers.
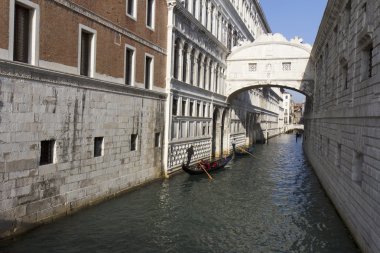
pixel 21 34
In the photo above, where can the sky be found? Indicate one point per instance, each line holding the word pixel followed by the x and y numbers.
pixel 295 18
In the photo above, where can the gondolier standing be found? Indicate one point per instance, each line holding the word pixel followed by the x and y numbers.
pixel 190 153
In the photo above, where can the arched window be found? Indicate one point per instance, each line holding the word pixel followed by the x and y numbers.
pixel 205 73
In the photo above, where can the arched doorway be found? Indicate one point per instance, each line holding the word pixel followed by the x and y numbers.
pixel 216 133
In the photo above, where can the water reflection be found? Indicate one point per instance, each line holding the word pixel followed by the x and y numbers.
pixel 273 203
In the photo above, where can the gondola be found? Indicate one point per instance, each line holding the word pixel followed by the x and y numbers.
pixel 240 152
pixel 196 169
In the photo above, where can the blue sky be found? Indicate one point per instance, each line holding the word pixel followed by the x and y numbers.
pixel 295 18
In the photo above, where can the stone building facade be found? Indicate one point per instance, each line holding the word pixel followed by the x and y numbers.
pixel 201 34
pixel 343 120
pixel 82 104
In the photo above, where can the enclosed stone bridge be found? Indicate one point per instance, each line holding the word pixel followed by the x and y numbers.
pixel 270 61
pixel 291 127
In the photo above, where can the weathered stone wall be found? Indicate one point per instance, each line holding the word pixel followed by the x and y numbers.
pixel 342 138
pixel 37 105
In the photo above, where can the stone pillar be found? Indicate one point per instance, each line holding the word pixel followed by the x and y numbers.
pixel 207 74
pixel 190 6
pixel 195 68
pixel 209 9
pixel 180 61
pixel 212 84
pixel 188 67
pixel 198 9
pixel 201 74
pixel 204 12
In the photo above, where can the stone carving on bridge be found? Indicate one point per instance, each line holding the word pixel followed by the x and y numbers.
pixel 278 62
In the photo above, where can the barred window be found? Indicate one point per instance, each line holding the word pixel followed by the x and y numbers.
pixel 286 66
pixel 252 67
pixel 47 152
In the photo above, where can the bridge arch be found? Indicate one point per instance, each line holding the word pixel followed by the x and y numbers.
pixel 270 61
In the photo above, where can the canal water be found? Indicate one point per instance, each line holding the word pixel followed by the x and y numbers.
pixel 271 203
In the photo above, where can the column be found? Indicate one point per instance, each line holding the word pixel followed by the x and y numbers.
pixel 198 10
pixel 204 12
pixel 209 9
pixel 201 74
pixel 180 60
pixel 195 68
pixel 212 84
pixel 190 6
pixel 207 80
pixel 188 67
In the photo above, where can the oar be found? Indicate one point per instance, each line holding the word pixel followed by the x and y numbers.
pixel 246 152
pixel 209 176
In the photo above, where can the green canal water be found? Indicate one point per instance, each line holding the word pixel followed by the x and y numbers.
pixel 272 203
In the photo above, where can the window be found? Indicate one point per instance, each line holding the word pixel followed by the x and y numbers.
pixel 129 65
pixel 157 140
pixel 366 64
pixel 148 71
pixel 150 15
pixel 47 152
pixel 175 106
pixel 252 67
pixel 183 107
pixel 25 29
pixel 133 142
pixel 191 108
pixel 87 51
pixel 131 8
pixel 286 66
pixel 345 76
pixel 98 146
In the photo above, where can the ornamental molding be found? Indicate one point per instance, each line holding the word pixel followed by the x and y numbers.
pixel 32 73
pixel 100 20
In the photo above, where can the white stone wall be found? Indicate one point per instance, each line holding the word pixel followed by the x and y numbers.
pixel 343 122
pixel 38 105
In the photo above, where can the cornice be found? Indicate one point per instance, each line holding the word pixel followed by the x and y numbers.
pixel 330 16
pixel 9 69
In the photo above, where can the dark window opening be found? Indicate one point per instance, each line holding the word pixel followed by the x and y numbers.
pixel 131 7
pixel 47 152
pixel 370 61
pixel 98 146
pixel 21 34
pixel 345 77
pixel 148 70
pixel 85 53
pixel 191 108
pixel 149 13
pixel 175 106
pixel 128 66
pixel 157 140
pixel 133 142
pixel 183 108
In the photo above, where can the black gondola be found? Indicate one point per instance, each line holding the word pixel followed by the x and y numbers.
pixel 197 169
pixel 240 152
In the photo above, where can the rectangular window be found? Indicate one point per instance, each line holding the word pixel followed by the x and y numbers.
pixel 286 66
pixel 198 110
pixel 133 142
pixel 157 140
pixel 47 152
pixel 252 67
pixel 175 106
pixel 21 34
pixel 183 107
pixel 191 108
pixel 131 8
pixel 150 15
pixel 148 72
pixel 98 146
pixel 345 76
pixel 366 63
pixel 129 65
pixel 87 52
